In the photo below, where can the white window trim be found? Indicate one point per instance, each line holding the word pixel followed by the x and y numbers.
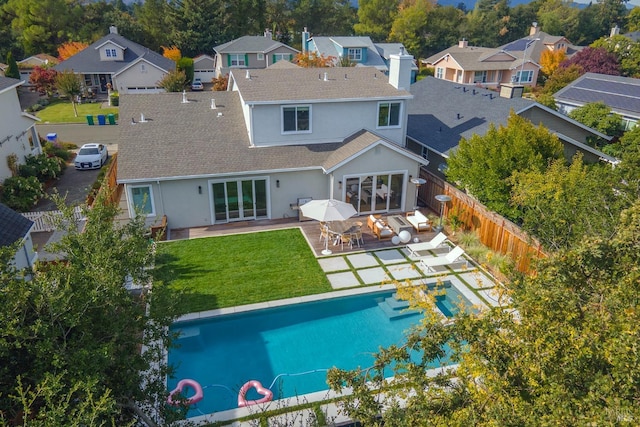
pixel 292 132
pixel 354 53
pixel 519 76
pixel 399 125
pixel 439 73
pixel 132 209
pixel 260 56
pixel 281 57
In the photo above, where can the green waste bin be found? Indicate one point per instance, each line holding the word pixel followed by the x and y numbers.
pixel 111 118
pixel 90 120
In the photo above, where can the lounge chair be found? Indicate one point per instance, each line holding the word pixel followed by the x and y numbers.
pixel 434 243
pixel 447 259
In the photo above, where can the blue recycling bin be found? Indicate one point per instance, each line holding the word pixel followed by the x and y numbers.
pixel 102 120
pixel 52 137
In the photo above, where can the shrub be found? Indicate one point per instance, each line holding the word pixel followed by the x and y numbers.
pixel 33 108
pixel 21 193
pixel 60 150
pixel 115 99
pixel 42 167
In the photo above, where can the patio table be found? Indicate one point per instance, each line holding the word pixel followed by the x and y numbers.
pixel 342 228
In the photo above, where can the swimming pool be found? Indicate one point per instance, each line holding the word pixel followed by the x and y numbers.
pixel 288 349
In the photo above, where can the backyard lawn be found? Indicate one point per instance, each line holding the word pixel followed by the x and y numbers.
pixel 226 271
pixel 61 111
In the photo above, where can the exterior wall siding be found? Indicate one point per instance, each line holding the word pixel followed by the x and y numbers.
pixel 12 125
pixel 135 76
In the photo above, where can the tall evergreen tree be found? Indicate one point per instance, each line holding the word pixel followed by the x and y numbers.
pixel 12 69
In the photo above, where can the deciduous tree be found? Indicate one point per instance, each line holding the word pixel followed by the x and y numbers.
pixel 67 50
pixel 561 77
pixel 314 60
pixel 551 59
pixel 409 26
pixel 375 18
pixel 174 81
pixel 594 60
pixel 598 115
pixel 483 164
pixel 68 84
pixel 44 79
pixel 173 53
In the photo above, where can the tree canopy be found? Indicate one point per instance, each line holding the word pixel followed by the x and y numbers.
pixel 483 164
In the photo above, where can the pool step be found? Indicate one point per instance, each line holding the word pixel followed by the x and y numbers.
pixel 395 308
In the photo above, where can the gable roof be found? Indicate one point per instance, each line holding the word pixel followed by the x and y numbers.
pixel 38 59
pixel 88 59
pixel 7 83
pixel 442 112
pixel 13 226
pixel 216 145
pixel 251 44
pixel 621 94
pixel 267 86
pixel 327 47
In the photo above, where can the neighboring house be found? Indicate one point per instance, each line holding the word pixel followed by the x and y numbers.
pixel 621 94
pixel 359 49
pixel 15 228
pixel 204 68
pixel 251 52
pixel 27 65
pixel 435 128
pixel 517 62
pixel 3 68
pixel 121 64
pixel 277 136
pixel 18 135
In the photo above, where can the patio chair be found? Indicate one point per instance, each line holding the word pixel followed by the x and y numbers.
pixel 449 258
pixel 436 242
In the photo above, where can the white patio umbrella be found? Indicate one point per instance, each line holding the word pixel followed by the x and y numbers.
pixel 328 210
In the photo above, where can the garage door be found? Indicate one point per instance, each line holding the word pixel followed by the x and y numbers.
pixel 145 89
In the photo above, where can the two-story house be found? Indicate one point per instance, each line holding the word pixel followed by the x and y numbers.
pixel 513 63
pixel 276 136
pixel 118 63
pixel 18 135
pixel 252 52
pixel 360 50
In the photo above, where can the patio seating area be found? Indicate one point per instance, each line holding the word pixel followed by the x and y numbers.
pixel 311 230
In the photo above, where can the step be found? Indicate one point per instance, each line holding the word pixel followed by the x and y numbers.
pixel 395 314
pixel 396 304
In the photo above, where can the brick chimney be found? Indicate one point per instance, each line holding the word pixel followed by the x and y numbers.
pixel 113 29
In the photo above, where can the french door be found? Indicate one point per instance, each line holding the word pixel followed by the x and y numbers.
pixel 239 200
pixel 375 193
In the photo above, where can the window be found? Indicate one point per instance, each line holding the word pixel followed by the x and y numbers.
pixel 524 76
pixel 480 77
pixel 439 73
pixel 142 200
pixel 111 53
pixel 389 114
pixel 237 60
pixel 355 53
pixel 260 56
pixel 143 69
pixel 281 57
pixel 296 119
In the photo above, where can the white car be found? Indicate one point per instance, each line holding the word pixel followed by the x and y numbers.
pixel 91 156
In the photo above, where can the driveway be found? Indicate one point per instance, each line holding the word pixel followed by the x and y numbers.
pixel 73 183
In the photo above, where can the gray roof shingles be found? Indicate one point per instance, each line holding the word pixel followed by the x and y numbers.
pixel 306 84
pixel 250 44
pixel 88 60
pixel 13 226
pixel 7 82
pixel 189 139
pixel 442 112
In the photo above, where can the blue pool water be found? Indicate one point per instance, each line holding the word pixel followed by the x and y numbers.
pixel 288 349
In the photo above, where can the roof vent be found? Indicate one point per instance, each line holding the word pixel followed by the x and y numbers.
pixel 345 76
pixel 142 119
pixel 219 113
pixel 326 76
pixel 184 97
pixel 248 75
pixel 473 92
pixel 213 104
pixel 458 116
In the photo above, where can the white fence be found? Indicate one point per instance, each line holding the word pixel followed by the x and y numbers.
pixel 44 221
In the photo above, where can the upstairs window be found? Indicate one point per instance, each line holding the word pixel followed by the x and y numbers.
pixel 389 114
pixel 296 119
pixel 111 53
pixel 355 53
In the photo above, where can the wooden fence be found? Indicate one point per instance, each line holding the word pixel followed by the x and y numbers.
pixel 110 187
pixel 496 232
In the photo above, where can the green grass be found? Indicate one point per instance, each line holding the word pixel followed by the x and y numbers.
pixel 226 271
pixel 61 111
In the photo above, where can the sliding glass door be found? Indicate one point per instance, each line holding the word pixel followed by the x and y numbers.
pixel 375 193
pixel 239 200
